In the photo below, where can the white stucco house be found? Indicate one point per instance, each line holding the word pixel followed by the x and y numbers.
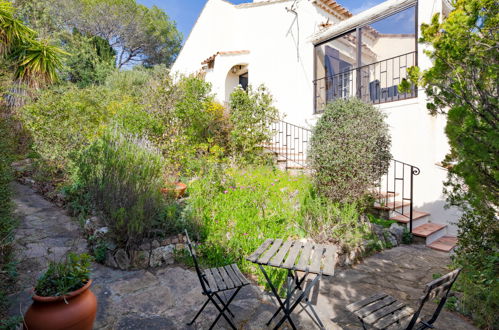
pixel 309 52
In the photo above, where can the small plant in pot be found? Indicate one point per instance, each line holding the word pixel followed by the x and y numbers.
pixel 62 298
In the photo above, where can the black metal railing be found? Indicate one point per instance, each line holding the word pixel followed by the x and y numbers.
pixel 373 83
pixel 396 189
pixel 290 142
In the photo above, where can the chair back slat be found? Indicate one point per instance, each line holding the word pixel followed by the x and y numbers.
pixel 438 288
pixel 443 282
pixel 192 252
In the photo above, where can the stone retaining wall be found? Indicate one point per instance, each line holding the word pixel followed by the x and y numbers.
pixel 154 253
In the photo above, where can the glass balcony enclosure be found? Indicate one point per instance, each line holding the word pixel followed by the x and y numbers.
pixel 368 62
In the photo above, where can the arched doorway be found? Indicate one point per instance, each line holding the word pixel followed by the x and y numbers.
pixel 237 76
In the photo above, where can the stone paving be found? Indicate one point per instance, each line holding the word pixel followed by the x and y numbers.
pixel 168 297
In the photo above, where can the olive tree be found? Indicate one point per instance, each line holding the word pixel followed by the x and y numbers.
pixel 349 150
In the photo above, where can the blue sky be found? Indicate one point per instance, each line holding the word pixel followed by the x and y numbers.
pixel 185 12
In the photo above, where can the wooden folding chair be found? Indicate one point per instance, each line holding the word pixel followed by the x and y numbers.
pixel 216 280
pixel 382 311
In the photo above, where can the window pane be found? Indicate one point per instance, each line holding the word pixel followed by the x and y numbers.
pixel 334 61
pixel 389 37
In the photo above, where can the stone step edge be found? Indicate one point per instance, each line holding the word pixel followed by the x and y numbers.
pixel 435 228
pixel 441 244
pixel 405 218
pixel 390 206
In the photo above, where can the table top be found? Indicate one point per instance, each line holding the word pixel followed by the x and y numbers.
pixel 296 255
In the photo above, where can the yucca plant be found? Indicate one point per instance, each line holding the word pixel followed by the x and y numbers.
pixel 12 31
pixel 35 61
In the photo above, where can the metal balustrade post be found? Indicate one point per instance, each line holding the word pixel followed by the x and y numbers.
pixel 412 201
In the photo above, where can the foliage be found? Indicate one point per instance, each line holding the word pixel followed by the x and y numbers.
pixel 349 150
pixel 407 237
pixel 64 277
pixel 251 115
pixel 138 81
pixel 237 209
pixel 198 127
pixel 7 221
pixel 463 85
pixel 123 176
pixel 35 61
pixel 65 120
pixel 382 222
pixel 92 59
pixel 332 222
pixel 136 32
pixel 38 15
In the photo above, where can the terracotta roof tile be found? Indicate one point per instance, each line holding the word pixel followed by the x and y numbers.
pixel 333 8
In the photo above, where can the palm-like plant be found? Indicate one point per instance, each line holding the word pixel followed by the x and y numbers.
pixel 35 62
pixel 12 31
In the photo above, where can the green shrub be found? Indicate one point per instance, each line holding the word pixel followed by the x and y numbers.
pixel 251 115
pixel 123 176
pixel 382 222
pixel 407 237
pixel 64 277
pixel 333 222
pixel 91 59
pixel 349 150
pixel 195 125
pixel 477 252
pixel 64 121
pixel 7 221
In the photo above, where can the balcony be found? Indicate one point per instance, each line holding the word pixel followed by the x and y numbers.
pixel 373 83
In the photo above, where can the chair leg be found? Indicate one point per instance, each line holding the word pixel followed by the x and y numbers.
pixel 223 304
pixel 222 311
pixel 363 324
pixel 202 308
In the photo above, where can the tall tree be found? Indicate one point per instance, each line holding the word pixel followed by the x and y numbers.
pixel 463 85
pixel 138 34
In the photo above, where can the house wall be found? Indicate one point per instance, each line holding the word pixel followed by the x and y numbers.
pixel 281 56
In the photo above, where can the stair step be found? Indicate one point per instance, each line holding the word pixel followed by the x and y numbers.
pixel 405 218
pixel 295 167
pixel 445 243
pixel 385 195
pixel 391 205
pixel 427 229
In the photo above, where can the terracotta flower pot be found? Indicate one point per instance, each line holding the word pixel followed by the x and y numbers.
pixel 178 191
pixel 55 314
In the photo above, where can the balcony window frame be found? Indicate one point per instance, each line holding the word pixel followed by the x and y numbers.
pixel 358 45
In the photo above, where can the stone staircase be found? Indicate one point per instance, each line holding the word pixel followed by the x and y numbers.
pixel 433 235
pixel 287 159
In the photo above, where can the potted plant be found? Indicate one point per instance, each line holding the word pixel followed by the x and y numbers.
pixel 62 298
pixel 173 187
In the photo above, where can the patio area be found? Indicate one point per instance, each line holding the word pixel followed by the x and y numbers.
pixel 169 297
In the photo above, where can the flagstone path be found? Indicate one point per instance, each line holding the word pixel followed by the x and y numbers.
pixel 168 297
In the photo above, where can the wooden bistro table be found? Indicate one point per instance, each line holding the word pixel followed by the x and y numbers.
pixel 310 258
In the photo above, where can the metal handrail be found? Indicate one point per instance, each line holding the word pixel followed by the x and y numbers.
pixel 290 141
pixel 373 83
